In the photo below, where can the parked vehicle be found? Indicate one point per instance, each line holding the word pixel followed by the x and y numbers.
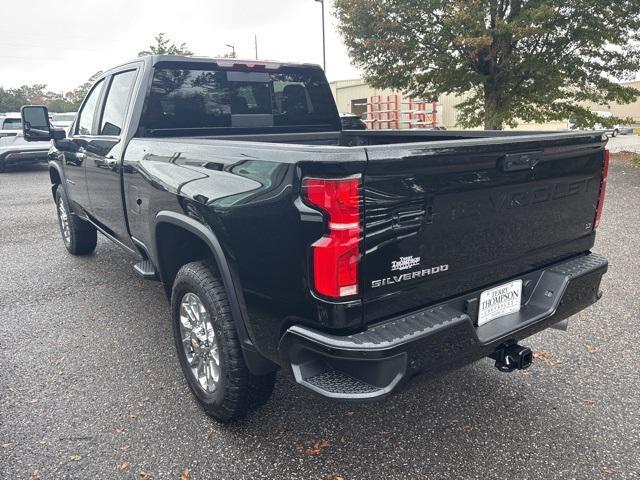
pixel 14 149
pixel 62 120
pixel 352 259
pixel 10 124
pixel 351 121
pixel 614 131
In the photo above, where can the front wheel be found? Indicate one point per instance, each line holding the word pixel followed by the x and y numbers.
pixel 615 133
pixel 209 349
pixel 79 236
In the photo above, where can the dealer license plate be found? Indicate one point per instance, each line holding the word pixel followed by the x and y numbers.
pixel 500 301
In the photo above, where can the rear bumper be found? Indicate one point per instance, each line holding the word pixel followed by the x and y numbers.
pixel 373 363
pixel 14 157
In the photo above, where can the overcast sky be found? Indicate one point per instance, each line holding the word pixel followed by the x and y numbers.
pixel 67 41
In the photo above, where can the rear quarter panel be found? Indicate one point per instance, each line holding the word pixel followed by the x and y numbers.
pixel 248 195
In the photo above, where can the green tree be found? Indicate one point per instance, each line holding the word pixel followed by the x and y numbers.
pixel 76 96
pixel 14 98
pixel 62 105
pixel 164 46
pixel 516 60
pixel 11 100
pixel 32 93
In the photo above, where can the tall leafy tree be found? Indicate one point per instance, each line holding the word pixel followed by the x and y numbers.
pixel 14 98
pixel 62 105
pixel 76 96
pixel 11 100
pixel 164 46
pixel 515 60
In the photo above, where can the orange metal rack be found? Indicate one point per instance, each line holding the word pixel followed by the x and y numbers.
pixel 393 112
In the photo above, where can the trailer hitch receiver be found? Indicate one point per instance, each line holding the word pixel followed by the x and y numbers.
pixel 512 357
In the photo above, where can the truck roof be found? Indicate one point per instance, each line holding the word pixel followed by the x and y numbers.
pixel 152 60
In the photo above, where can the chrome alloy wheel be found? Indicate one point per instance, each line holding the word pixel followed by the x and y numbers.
pixel 199 342
pixel 64 221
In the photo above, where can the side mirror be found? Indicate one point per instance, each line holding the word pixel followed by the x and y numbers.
pixel 35 123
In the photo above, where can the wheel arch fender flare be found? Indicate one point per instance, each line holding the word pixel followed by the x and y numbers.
pixel 54 167
pixel 254 360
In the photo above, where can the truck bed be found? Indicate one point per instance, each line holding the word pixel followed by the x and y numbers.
pixel 440 198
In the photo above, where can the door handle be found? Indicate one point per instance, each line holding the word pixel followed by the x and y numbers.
pixel 111 161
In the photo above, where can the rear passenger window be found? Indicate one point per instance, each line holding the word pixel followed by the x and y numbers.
pixel 118 98
pixel 85 118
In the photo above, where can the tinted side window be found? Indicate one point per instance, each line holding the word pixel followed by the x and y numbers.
pixel 117 102
pixel 12 124
pixel 85 118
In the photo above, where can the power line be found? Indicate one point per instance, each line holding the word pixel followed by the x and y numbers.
pixel 59 35
pixel 19 57
pixel 50 47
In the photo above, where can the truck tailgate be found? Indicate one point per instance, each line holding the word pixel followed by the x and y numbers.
pixel 448 217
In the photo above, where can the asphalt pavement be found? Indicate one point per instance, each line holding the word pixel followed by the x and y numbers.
pixel 624 143
pixel 90 386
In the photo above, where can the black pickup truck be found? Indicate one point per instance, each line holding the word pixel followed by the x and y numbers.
pixel 352 259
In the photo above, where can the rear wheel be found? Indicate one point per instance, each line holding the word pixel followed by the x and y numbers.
pixel 615 133
pixel 209 349
pixel 79 236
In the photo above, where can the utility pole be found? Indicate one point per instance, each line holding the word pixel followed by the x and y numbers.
pixel 324 41
pixel 256 44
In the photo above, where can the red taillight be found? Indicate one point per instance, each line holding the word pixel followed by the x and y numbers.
pixel 603 188
pixel 335 257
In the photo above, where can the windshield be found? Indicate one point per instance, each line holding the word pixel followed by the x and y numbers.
pixel 12 124
pixel 211 100
pixel 63 117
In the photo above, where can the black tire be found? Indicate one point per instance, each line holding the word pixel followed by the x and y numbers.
pixel 82 237
pixel 615 133
pixel 237 390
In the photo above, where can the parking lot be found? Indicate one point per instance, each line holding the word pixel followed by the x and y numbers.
pixel 628 143
pixel 90 386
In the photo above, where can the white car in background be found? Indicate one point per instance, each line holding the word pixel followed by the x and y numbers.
pixel 14 149
pixel 10 124
pixel 62 120
pixel 617 129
